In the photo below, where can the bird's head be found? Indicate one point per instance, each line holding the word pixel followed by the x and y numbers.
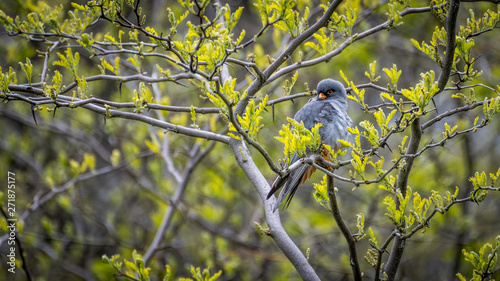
pixel 329 88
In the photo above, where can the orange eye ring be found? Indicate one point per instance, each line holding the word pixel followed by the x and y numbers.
pixel 329 92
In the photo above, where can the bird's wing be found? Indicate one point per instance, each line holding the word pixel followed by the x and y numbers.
pixel 311 113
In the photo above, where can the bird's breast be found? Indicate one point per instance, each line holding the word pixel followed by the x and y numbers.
pixel 332 131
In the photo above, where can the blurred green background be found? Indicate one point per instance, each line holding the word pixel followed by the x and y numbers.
pixel 119 211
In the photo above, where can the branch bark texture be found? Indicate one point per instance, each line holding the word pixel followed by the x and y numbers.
pixel 278 233
pixel 401 185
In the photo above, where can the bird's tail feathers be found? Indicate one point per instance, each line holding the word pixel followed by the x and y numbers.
pixel 290 187
pixel 277 184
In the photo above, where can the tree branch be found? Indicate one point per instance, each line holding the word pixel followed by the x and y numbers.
pixel 381 251
pixel 283 241
pixel 22 253
pixel 451 22
pixel 46 61
pixel 451 112
pixel 445 209
pixel 110 113
pixel 351 242
pixel 401 184
pixel 402 180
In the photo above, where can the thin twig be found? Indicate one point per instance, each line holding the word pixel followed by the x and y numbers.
pixel 351 242
pixel 46 61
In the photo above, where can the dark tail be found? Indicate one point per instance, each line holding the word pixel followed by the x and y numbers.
pixel 277 184
pixel 291 182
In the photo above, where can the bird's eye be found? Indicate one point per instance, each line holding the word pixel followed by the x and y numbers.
pixel 330 92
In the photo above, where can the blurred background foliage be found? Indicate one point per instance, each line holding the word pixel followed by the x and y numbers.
pixel 120 211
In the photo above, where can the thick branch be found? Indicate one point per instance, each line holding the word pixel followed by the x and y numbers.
pixel 286 245
pixel 451 22
pixel 402 180
pixel 401 184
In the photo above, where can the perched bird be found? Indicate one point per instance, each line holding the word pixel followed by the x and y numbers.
pixel 329 108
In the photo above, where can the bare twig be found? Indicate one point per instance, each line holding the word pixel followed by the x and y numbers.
pixel 451 112
pixel 46 61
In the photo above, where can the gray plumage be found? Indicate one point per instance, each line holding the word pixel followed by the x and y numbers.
pixel 329 108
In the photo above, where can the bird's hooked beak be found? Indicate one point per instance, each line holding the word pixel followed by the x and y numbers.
pixel 321 96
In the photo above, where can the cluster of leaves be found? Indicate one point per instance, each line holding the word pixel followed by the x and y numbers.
pixel 344 22
pixel 481 180
pixel 6 79
pixel 136 270
pixel 359 160
pixel 130 269
pixel 424 91
pixel 46 19
pixel 282 14
pixel 142 98
pixel 464 44
pixel 250 121
pixel 321 194
pixel 401 217
pixel 341 22
pixel 484 261
pixel 394 13
pixel 298 139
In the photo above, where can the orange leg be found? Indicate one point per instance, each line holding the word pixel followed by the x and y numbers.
pixel 324 154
